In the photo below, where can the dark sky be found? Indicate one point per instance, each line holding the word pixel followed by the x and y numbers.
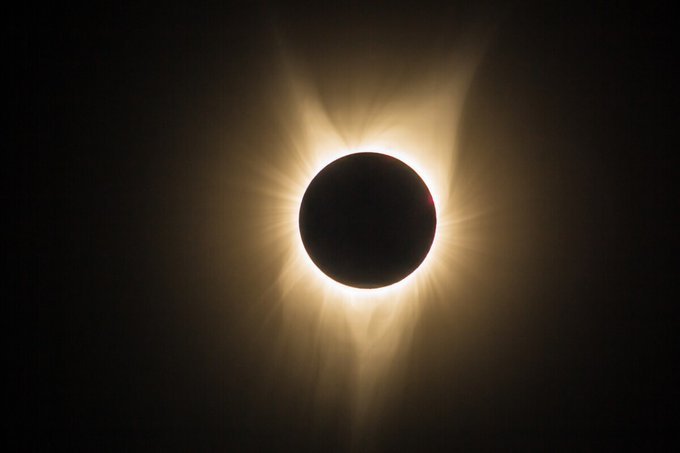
pixel 131 334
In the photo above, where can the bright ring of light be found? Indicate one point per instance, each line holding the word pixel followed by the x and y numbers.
pixel 352 293
pixel 367 220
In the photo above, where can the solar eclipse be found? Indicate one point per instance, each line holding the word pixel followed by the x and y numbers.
pixel 367 220
pixel 361 217
pixel 348 226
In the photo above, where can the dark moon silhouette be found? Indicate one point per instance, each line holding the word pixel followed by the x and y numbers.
pixel 367 220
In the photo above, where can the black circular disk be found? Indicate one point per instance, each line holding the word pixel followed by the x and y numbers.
pixel 367 220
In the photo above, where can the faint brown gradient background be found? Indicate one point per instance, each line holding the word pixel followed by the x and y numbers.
pixel 146 330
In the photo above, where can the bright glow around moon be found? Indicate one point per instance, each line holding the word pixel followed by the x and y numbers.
pixel 423 137
pixel 417 125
